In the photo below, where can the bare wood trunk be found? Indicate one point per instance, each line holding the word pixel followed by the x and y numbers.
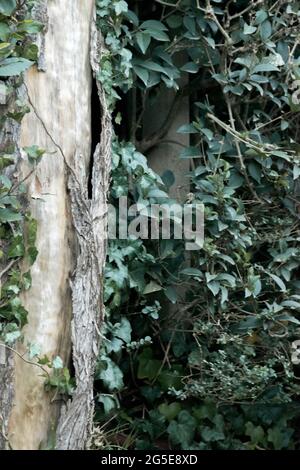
pixel 67 276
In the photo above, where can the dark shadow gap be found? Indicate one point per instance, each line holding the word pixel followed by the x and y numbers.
pixel 96 116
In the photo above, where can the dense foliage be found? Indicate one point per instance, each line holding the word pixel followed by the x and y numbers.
pixel 17 252
pixel 214 369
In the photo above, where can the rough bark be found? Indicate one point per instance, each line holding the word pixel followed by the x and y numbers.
pixel 67 276
pixel 9 136
pixel 90 220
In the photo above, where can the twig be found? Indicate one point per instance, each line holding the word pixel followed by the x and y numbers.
pixel 249 7
pixel 167 4
pixel 26 360
pixel 7 268
pixel 240 156
pixel 210 12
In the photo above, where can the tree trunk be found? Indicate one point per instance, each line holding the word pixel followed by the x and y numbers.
pixel 65 301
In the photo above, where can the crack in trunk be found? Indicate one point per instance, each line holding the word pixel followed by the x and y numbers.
pixel 90 221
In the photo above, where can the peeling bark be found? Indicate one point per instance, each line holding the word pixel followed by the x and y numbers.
pixel 67 276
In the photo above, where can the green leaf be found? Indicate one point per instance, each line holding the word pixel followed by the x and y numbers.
pixel 30 26
pixel 142 73
pixel 120 7
pixel 261 15
pixel 7 7
pixel 291 304
pixel 108 401
pixel 152 287
pixel 256 433
pixel 190 67
pixel 170 411
pixel 190 152
pixel 123 330
pixel 150 65
pixel 111 375
pixel 207 132
pixel 132 17
pixel 187 129
pixel 182 431
pixel 14 66
pixel 171 294
pixel 212 435
pixel 34 153
pixel 278 281
pixel 154 25
pixel 57 363
pixel 214 287
pixel 249 29
pixel 148 367
pixel 143 39
pixel 265 30
pixel 158 35
pixel 12 337
pixel 255 172
pixel 7 215
pixel 16 248
pixel 265 68
pixel 192 272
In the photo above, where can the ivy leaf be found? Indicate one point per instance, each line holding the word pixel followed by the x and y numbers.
pixel 12 337
pixel 148 367
pixel 108 401
pixel 170 411
pixel 34 350
pixel 182 431
pixel 14 66
pixel 256 433
pixel 112 375
pixel 212 435
pixel 7 7
pixel 123 330
pixel 7 215
pixel 57 363
pixel 120 7
pixel 34 153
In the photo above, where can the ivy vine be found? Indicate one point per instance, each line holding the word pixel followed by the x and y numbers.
pixel 217 372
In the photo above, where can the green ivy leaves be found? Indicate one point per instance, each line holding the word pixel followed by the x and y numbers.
pixel 241 304
pixel 7 7
pixel 14 66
